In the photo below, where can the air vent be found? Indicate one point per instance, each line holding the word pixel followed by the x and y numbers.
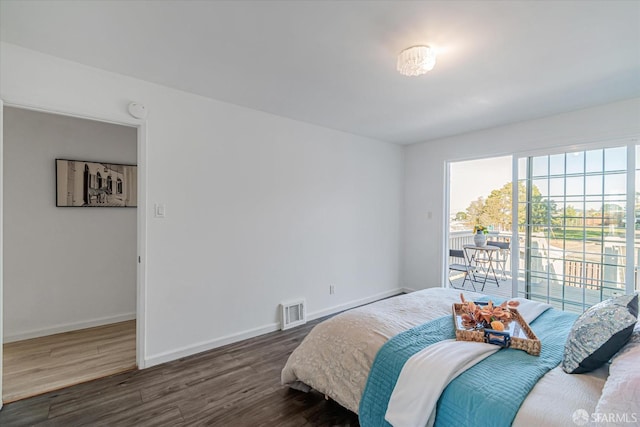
pixel 293 314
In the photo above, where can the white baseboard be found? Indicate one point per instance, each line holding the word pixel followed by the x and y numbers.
pixel 190 350
pixel 408 290
pixel 67 327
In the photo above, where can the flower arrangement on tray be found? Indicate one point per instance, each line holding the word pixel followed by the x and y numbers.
pixel 476 316
pixel 501 325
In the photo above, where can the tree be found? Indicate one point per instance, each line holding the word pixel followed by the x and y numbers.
pixel 461 216
pixel 495 211
pixel 497 208
pixel 571 217
pixel 475 211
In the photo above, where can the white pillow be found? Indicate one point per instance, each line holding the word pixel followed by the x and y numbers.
pixel 619 404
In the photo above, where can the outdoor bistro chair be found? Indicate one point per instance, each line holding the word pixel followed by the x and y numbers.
pixel 460 268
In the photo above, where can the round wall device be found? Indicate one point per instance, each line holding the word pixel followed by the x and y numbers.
pixel 139 111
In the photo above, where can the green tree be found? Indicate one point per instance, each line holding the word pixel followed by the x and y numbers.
pixel 571 217
pixel 542 211
pixel 475 211
pixel 497 208
pixel 495 211
pixel 461 216
pixel 612 213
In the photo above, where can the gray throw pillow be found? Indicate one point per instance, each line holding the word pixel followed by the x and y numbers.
pixel 599 333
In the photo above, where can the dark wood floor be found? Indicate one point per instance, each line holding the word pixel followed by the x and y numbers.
pixel 235 385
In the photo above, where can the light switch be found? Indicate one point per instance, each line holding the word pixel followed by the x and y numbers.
pixel 159 210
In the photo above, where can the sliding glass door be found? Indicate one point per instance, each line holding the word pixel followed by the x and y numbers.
pixel 574 226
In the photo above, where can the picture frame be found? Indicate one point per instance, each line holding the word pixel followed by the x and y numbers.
pixel 83 183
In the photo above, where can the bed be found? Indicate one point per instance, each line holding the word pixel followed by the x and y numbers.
pixel 337 356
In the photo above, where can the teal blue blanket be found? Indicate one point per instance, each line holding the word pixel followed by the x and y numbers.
pixel 490 393
pixel 388 364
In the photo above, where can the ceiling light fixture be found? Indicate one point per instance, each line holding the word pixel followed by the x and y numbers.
pixel 416 60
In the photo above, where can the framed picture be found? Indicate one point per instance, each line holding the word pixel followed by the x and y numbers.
pixel 93 184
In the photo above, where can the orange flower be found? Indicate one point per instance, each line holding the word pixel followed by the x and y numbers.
pixel 497 325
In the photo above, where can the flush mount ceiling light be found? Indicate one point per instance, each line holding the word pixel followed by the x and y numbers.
pixel 416 60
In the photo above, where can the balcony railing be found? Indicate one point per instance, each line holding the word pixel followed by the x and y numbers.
pixel 457 240
pixel 555 279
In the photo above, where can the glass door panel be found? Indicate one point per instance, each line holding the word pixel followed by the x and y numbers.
pixel 571 223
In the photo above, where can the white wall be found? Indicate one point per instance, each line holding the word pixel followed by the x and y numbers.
pixel 425 172
pixel 260 208
pixel 65 268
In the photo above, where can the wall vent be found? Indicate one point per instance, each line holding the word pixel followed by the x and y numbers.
pixel 294 313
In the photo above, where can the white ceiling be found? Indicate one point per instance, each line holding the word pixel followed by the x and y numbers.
pixel 332 63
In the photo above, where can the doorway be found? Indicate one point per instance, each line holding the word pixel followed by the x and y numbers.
pixel 54 258
pixel 480 195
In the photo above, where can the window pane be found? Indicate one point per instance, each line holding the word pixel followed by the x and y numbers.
pixel 522 168
pixel 556 186
pixel 522 213
pixel 575 162
pixel 615 184
pixel 593 184
pixel 615 159
pixel 593 208
pixel 540 187
pixel 556 164
pixel 594 161
pixel 522 191
pixel 575 186
pixel 540 166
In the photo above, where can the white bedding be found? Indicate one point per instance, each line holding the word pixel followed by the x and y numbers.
pixel 558 395
pixel 336 356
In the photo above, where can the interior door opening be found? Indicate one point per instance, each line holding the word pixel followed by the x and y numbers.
pixel 54 257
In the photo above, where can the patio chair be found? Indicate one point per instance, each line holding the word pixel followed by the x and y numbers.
pixel 502 256
pixel 460 268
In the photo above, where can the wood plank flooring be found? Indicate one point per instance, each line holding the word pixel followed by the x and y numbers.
pixel 40 365
pixel 236 385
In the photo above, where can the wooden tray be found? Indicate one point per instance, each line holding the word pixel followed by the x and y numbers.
pixel 517 333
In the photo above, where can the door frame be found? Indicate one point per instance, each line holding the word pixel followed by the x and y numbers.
pixel 141 222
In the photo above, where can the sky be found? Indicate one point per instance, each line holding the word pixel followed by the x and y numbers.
pixel 591 173
pixel 474 178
